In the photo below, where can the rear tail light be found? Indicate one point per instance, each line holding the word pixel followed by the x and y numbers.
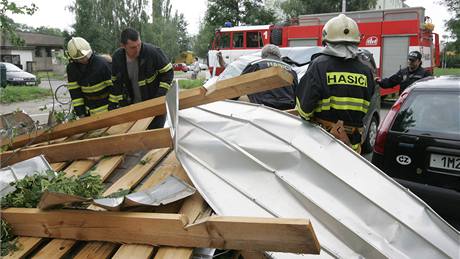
pixel 382 132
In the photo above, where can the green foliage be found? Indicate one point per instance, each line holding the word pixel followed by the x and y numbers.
pixel 190 83
pixel 294 8
pixel 7 25
pixel 12 94
pixel 9 241
pixel 238 12
pixel 30 189
pixel 453 24
pixel 110 17
pixel 446 71
pixel 101 21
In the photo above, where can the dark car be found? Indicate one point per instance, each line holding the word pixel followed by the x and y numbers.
pixel 17 76
pixel 418 143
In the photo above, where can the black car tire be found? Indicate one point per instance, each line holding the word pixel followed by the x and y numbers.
pixel 370 136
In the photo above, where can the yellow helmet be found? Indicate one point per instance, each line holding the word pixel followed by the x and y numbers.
pixel 341 29
pixel 78 48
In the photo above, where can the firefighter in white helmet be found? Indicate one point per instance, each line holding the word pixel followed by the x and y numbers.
pixel 89 78
pixel 337 88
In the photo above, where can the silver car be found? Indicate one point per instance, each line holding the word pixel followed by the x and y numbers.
pixel 17 76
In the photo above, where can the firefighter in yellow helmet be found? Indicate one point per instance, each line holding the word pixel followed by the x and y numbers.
pixel 336 90
pixel 89 78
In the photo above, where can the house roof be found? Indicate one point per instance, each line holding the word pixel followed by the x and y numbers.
pixel 36 39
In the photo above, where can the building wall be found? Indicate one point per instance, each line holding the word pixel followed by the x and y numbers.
pixel 25 56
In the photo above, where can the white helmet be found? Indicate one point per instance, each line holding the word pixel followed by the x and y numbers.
pixel 341 29
pixel 78 48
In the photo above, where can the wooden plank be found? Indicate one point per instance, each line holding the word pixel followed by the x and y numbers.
pixel 58 166
pixel 107 145
pixel 242 233
pixel 64 246
pixel 174 253
pixel 134 251
pixel 139 171
pixel 97 250
pixel 262 80
pixel 26 246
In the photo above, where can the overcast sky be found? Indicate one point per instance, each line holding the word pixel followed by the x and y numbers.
pixel 55 14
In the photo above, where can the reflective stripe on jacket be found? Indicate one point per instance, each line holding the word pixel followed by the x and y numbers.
pixel 89 85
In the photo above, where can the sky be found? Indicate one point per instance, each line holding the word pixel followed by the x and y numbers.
pixel 55 14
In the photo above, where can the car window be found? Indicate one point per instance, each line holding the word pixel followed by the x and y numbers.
pixel 238 39
pixel 224 40
pixel 254 40
pixel 11 68
pixel 429 111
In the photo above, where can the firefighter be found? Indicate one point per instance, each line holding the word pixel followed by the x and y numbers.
pixel 89 78
pixel 279 98
pixel 336 90
pixel 140 71
pixel 406 76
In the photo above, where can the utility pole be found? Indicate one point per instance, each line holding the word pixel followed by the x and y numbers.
pixel 344 6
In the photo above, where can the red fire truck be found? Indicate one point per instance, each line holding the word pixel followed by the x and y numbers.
pixel 388 34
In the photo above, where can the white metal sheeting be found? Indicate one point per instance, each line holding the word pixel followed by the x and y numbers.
pixel 249 160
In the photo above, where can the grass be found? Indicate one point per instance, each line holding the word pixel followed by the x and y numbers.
pixel 190 83
pixel 43 75
pixel 446 71
pixel 12 94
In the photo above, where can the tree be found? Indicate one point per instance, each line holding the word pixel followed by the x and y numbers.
pixel 453 24
pixel 7 25
pixel 101 21
pixel 238 12
pixel 294 8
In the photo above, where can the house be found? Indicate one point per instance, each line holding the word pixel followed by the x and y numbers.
pixel 40 52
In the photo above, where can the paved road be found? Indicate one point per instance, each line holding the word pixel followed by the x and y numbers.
pixel 36 108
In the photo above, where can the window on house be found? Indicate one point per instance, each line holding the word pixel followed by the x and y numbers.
pixel 38 52
pixel 48 52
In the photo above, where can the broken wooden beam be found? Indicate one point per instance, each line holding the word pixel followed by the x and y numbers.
pixel 244 233
pixel 102 146
pixel 246 84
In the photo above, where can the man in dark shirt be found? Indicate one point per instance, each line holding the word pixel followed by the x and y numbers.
pixel 140 71
pixel 279 98
pixel 406 76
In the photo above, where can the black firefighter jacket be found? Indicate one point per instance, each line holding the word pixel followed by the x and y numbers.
pixel 280 98
pixel 89 85
pixel 154 79
pixel 335 89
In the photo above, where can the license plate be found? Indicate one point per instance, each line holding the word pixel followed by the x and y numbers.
pixel 30 83
pixel 445 162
